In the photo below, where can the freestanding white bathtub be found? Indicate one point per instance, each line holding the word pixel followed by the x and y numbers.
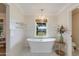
pixel 41 45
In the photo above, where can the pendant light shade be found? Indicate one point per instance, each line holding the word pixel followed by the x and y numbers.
pixel 41 18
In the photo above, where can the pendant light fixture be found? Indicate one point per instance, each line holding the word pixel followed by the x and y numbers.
pixel 41 18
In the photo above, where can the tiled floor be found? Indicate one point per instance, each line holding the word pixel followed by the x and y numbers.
pixel 26 52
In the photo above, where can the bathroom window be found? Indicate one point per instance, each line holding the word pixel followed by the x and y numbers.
pixel 41 29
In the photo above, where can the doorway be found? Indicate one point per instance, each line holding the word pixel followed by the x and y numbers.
pixel 75 31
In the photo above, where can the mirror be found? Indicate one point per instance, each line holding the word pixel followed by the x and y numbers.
pixel 41 29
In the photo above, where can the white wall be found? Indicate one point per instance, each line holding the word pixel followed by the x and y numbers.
pixel 17 33
pixel 63 19
pixel 30 26
pixel 17 36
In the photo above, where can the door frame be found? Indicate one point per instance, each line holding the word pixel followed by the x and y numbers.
pixel 70 18
pixel 7 21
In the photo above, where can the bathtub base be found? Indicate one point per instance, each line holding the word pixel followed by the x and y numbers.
pixel 41 45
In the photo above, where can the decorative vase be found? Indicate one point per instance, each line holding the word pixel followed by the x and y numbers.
pixel 61 38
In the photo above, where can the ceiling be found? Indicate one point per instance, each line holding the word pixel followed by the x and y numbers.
pixel 34 8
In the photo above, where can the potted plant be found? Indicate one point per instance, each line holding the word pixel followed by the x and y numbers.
pixel 60 44
pixel 61 31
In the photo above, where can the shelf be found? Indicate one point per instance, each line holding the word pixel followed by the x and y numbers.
pixel 60 48
pixel 2 54
pixel 2 42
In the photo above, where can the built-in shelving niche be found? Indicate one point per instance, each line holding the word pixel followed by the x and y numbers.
pixel 2 39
